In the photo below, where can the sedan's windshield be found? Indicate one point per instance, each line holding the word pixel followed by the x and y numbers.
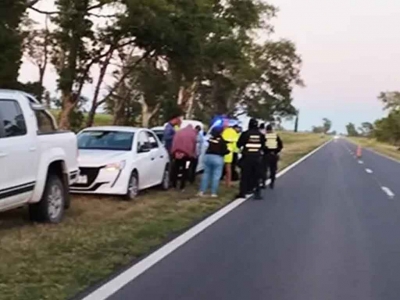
pixel 105 140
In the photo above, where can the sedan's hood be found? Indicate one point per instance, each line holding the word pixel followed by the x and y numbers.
pixel 98 158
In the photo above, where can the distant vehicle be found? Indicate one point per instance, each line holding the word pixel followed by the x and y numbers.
pixel 120 161
pixel 37 162
pixel 159 131
pixel 336 137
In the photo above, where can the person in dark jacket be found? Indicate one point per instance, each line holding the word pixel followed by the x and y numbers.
pixel 169 132
pixel 273 147
pixel 213 163
pixel 183 150
pixel 252 144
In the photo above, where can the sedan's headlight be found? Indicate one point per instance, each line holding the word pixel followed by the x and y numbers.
pixel 115 166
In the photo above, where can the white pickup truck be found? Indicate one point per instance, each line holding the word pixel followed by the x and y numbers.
pixel 37 162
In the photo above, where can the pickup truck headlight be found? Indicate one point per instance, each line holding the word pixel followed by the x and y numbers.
pixel 115 166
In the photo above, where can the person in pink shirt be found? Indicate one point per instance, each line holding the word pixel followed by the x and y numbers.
pixel 183 151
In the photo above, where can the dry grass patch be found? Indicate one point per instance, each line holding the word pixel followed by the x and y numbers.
pixel 380 147
pixel 102 234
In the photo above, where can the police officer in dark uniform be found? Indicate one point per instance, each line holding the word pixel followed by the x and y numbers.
pixel 252 144
pixel 273 147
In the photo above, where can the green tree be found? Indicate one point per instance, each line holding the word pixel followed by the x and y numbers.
pixel 391 100
pixel 12 13
pixel 327 125
pixel 351 130
pixel 366 129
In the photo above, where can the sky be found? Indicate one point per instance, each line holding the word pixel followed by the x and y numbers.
pixel 350 51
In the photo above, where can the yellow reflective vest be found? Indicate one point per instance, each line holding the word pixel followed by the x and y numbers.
pixel 231 136
pixel 271 141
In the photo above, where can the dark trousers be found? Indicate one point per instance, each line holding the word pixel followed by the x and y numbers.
pixel 235 173
pixel 179 168
pixel 192 169
pixel 271 166
pixel 251 174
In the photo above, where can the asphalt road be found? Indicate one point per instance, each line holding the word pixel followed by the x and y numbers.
pixel 330 230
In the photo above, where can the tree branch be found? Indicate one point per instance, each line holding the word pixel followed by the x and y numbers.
pixel 43 12
pixel 123 77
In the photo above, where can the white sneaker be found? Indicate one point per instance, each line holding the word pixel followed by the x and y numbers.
pixel 214 196
pixel 200 194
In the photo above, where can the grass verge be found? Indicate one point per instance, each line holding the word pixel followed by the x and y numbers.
pixel 102 234
pixel 380 147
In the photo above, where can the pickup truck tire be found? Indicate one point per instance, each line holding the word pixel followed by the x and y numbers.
pixel 133 187
pixel 50 209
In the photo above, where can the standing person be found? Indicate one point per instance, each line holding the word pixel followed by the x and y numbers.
pixel 262 128
pixel 252 144
pixel 274 146
pixel 231 136
pixel 183 150
pixel 235 160
pixel 213 163
pixel 170 130
pixel 195 160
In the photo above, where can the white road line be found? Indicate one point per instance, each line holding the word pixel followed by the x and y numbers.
pixel 388 191
pixel 124 278
pixel 360 162
pixel 369 171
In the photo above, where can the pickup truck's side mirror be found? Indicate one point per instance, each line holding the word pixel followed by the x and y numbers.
pixel 144 148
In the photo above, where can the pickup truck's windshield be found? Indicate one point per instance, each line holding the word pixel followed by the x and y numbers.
pixel 105 140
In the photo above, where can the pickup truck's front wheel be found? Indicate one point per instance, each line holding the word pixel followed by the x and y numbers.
pixel 50 209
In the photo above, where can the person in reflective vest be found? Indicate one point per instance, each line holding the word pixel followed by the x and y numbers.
pixel 273 146
pixel 231 136
pixel 252 144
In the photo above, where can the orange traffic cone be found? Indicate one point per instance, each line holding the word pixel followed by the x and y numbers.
pixel 359 151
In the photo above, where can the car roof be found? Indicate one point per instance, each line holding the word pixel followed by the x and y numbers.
pixel 184 124
pixel 114 128
pixel 16 92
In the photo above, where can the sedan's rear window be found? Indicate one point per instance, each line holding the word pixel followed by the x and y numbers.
pixel 105 140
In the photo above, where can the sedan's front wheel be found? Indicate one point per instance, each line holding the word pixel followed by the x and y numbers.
pixel 133 187
pixel 166 179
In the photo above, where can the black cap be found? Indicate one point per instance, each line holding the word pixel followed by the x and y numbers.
pixel 262 126
pixel 269 127
pixel 253 123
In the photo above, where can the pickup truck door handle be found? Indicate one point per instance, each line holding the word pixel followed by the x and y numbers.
pixel 32 149
pixel 3 154
pixel 153 158
pixel 162 156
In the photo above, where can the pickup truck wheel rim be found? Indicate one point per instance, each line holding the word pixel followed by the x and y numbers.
pixel 133 187
pixel 55 202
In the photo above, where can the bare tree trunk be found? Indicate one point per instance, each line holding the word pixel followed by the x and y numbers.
pixel 95 104
pixel 68 107
pixel 186 96
pixel 147 112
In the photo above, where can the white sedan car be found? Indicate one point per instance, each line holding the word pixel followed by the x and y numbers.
pixel 120 161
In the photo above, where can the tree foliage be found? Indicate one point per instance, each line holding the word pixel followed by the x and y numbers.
pixel 201 57
pixel 351 130
pixel 387 129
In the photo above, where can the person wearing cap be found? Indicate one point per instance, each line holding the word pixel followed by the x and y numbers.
pixel 252 144
pixel 273 146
